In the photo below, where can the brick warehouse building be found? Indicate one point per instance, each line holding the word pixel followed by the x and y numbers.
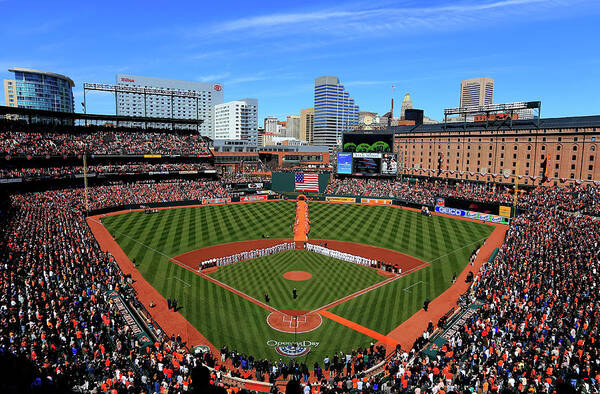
pixel 495 153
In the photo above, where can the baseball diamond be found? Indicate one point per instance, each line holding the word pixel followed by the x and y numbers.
pixel 342 306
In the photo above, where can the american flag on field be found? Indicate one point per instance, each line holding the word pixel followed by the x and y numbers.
pixel 308 182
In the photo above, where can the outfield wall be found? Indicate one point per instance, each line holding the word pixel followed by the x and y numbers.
pixel 284 182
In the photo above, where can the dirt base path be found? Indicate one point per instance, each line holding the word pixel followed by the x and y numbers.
pixel 171 322
pixel 411 329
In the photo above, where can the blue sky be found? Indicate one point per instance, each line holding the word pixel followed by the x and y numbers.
pixel 544 50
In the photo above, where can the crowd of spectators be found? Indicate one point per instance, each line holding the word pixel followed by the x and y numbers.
pixel 342 371
pixel 122 193
pixel 537 330
pixel 235 177
pixel 22 143
pixel 55 312
pixel 583 198
pixel 120 169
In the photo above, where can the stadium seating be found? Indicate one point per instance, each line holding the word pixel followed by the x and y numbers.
pixel 22 143
pixel 136 168
pixel 536 331
pixel 583 198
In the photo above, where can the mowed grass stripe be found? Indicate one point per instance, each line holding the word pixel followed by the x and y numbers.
pixel 226 319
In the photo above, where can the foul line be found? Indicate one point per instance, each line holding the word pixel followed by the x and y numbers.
pixel 357 327
pixel 414 284
pixel 182 281
pixel 223 285
pixel 387 281
pixel 318 310
pixel 456 250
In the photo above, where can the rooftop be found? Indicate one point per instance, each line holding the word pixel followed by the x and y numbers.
pixel 526 124
pixel 29 70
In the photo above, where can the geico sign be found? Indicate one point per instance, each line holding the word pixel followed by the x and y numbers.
pixel 450 211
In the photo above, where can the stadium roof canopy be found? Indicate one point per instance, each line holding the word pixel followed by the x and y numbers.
pixel 571 122
pixel 38 113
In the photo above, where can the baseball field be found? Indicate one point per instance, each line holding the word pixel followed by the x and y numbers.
pixel 228 306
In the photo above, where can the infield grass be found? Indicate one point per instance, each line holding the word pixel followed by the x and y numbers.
pixel 331 280
pixel 227 319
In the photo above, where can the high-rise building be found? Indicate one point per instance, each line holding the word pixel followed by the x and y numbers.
pixel 36 89
pixel 237 120
pixel 271 125
pixel 335 111
pixel 159 106
pixel 406 104
pixel 307 122
pixel 477 91
pixel 281 128
pixel 293 126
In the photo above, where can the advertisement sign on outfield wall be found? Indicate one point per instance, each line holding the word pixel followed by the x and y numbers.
pixel 208 201
pixel 340 199
pixel 504 211
pixel 375 201
pixel 472 215
pixel 253 198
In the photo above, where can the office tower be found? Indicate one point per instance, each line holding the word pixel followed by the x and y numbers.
pixel 406 104
pixel 237 120
pixel 36 89
pixel 307 119
pixel 159 106
pixel 477 91
pixel 335 111
pixel 282 129
pixel 271 125
pixel 293 126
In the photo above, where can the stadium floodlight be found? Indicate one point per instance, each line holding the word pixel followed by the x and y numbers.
pixel 493 108
pixel 139 90
pixel 510 108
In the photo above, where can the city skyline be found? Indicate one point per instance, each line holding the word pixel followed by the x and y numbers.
pixel 419 49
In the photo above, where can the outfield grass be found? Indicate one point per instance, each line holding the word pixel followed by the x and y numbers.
pixel 226 319
pixel 331 280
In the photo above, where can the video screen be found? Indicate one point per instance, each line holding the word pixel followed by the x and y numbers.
pixel 366 165
pixel 389 164
pixel 344 163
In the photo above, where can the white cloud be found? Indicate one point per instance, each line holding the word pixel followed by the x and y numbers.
pixel 358 19
pixel 367 83
pixel 213 77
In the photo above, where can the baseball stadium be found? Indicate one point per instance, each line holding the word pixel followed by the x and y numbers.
pixel 139 259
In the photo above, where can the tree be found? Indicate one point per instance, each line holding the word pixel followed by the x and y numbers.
pixel 380 146
pixel 363 147
pixel 350 147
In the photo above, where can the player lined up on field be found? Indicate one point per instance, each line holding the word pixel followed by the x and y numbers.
pixel 336 254
pixel 251 254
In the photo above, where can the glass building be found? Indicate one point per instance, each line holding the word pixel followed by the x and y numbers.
pixel 39 90
pixel 335 111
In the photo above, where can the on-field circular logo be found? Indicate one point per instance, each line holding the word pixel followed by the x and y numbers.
pixel 292 349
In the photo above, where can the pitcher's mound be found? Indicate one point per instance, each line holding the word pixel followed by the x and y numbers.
pixel 294 321
pixel 297 275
